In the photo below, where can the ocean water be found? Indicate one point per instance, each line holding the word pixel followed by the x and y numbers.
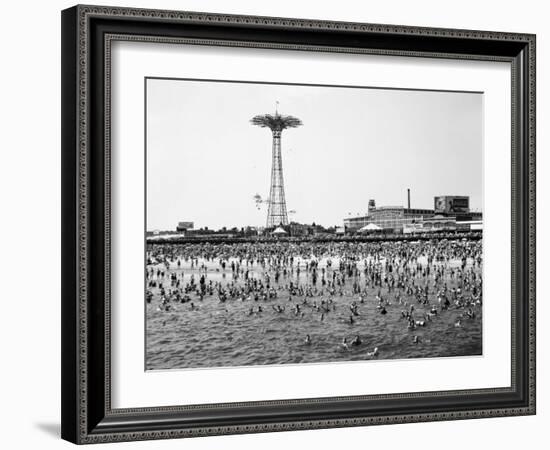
pixel 222 334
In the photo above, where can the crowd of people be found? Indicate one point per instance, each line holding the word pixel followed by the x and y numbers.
pixel 322 281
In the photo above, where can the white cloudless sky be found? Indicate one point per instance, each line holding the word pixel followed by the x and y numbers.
pixel 206 161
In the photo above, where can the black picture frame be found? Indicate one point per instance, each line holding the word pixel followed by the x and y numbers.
pixel 87 416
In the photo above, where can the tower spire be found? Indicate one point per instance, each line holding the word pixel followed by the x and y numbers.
pixel 276 213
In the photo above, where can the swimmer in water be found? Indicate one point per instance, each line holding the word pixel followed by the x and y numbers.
pixel 308 339
pixel 356 341
pixel 345 343
pixel 374 352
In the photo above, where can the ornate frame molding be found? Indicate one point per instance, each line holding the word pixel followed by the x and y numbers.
pixel 78 216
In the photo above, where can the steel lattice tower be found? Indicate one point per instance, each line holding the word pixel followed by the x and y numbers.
pixel 276 213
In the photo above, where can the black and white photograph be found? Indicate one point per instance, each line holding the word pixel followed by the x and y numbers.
pixel 296 223
pixel 275 225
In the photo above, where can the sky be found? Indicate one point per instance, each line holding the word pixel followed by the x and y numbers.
pixel 206 161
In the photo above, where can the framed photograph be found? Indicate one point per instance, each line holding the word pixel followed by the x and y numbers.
pixel 279 224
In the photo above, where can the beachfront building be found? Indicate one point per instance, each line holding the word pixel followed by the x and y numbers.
pixel 439 223
pixel 184 226
pixel 457 206
pixel 451 213
pixel 390 219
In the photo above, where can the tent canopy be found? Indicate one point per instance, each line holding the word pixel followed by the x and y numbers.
pixel 370 227
pixel 279 230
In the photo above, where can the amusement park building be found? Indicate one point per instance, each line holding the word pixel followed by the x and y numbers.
pixel 398 219
pixel 388 218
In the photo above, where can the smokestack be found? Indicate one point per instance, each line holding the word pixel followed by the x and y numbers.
pixel 408 198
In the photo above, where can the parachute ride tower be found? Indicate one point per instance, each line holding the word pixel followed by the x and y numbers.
pixel 276 212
